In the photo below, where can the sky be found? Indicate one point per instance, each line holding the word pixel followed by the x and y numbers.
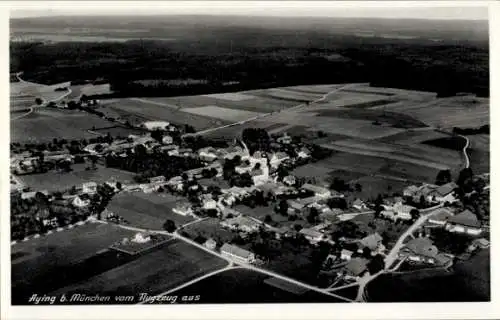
pixel 363 9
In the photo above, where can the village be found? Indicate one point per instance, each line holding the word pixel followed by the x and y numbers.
pixel 255 206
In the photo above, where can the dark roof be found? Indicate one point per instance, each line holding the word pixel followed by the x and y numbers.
pixel 422 246
pixel 446 188
pixel 356 266
pixel 466 218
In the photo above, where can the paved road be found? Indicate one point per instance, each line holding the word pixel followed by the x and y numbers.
pixel 467 144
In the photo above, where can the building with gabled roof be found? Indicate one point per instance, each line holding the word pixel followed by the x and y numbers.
pixel 464 222
pixel 237 254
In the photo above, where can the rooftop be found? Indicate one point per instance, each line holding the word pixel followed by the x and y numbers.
pixel 466 218
pixel 422 246
pixel 234 250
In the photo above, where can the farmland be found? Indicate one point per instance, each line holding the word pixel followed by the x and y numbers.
pixel 147 210
pixel 246 286
pixel 55 181
pixel 142 111
pixel 44 264
pixel 479 153
pixel 155 272
pixel 417 154
pixel 222 113
pixel 45 124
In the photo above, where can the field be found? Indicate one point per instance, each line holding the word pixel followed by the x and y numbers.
pixel 479 153
pixel 390 118
pixel 55 181
pixel 147 210
pixel 141 111
pixel 448 112
pixel 416 154
pixel 222 113
pixel 36 263
pixel 118 131
pixel 246 286
pixel 411 137
pixel 153 273
pixel 288 94
pixel 43 125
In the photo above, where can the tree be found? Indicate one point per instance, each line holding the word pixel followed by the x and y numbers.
pixel 38 101
pixel 358 187
pixel 169 226
pixel 282 172
pixel 118 185
pixel 443 177
pixel 157 135
pixel 268 219
pixel 283 207
pixel 415 214
pixel 376 264
pixel 464 177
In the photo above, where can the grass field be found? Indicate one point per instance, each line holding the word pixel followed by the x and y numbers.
pixel 153 273
pixel 118 131
pixel 54 181
pixel 226 114
pixel 246 286
pixel 416 154
pixel 36 263
pixel 46 124
pixel 413 137
pixel 390 118
pixel 147 111
pixel 289 95
pixel 479 153
pixel 147 210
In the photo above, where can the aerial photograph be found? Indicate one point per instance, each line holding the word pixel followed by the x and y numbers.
pixel 227 154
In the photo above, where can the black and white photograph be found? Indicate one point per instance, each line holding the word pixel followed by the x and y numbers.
pixel 227 152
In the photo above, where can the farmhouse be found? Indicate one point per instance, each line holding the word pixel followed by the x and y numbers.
pixel 231 152
pixel 89 187
pixel 359 204
pixel 241 223
pixel 184 209
pixel 210 244
pixel 312 235
pixel 464 222
pixel 167 140
pixel 275 159
pixel 79 203
pixel 207 154
pixel 284 139
pixel 372 242
pixel 289 180
pixel 238 254
pixel 346 255
pixel 355 268
pixel 440 216
pixel 445 193
pixel 155 125
pixel 32 194
pixel 420 250
pixel 317 190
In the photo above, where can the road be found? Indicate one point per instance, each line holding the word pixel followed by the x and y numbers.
pixel 231 262
pixel 467 144
pixel 261 116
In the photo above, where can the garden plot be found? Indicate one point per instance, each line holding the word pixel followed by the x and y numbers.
pixel 222 113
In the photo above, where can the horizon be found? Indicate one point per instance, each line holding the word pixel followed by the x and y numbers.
pixel 292 9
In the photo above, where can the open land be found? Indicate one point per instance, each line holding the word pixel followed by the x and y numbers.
pixel 479 153
pixel 55 181
pixel 147 210
pixel 246 286
pixel 209 228
pixel 51 261
pixel 153 273
pixel 43 125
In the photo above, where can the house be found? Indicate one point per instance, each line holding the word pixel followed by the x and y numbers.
pixel 210 244
pixel 259 176
pixel 317 190
pixel 313 236
pixel 372 242
pixel 184 209
pixel 277 158
pixel 359 204
pixel 440 216
pixel 237 254
pixel 284 139
pixel 355 268
pixel 167 140
pixel 225 212
pixel 479 244
pixel 141 238
pixel 243 167
pixel 445 193
pixel 346 255
pixel 185 152
pixel 295 207
pixel 207 154
pixel 289 180
pixel 402 211
pixel 79 203
pixel 231 152
pixel 95 148
pixel 304 153
pixel 417 192
pixel 154 125
pixel 157 179
pixel 209 204
pixel 32 194
pixel 241 223
pixel 420 250
pixel 89 187
pixel 465 222
pixel 283 232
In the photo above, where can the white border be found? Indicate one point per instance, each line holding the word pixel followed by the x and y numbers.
pixel 254 311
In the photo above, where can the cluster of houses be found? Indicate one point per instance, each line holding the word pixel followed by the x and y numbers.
pixel 26 163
